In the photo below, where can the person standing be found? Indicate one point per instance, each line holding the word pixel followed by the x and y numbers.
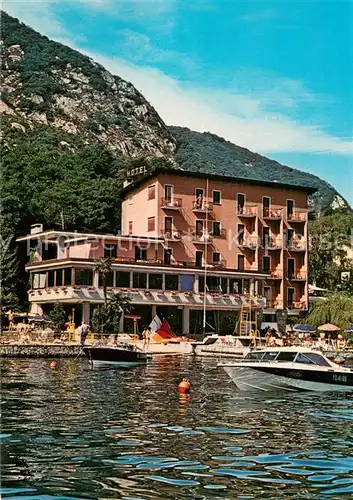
pixel 146 337
pixel 84 332
pixel 11 318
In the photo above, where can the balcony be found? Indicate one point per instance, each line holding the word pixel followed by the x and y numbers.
pixel 172 235
pixel 172 203
pixel 272 214
pixel 296 276
pixel 273 244
pixel 220 264
pixel 298 216
pixel 274 304
pixel 299 305
pixel 202 207
pixel 202 237
pixel 222 233
pixel 296 246
pixel 247 211
pixel 250 243
pixel 274 274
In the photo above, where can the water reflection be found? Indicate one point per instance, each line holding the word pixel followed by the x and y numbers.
pixel 76 433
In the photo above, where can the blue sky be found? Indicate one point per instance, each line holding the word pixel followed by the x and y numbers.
pixel 275 77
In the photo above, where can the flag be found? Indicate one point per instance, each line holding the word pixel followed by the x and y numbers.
pixel 155 324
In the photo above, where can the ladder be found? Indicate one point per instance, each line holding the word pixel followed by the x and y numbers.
pixel 248 323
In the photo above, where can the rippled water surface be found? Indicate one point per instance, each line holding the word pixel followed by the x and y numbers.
pixel 76 433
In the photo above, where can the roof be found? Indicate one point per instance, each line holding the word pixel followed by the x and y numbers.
pixel 217 177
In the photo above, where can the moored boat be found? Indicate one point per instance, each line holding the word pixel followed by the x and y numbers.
pixel 123 357
pixel 290 369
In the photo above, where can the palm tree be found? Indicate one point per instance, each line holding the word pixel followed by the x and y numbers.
pixel 336 309
pixel 103 267
pixel 117 305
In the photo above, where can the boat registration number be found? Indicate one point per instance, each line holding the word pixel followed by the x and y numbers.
pixel 339 378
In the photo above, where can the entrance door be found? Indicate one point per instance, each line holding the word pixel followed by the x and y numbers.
pixel 266 201
pixel 198 258
pixel 168 193
pixel 291 268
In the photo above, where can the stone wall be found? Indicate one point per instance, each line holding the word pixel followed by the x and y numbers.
pixel 39 351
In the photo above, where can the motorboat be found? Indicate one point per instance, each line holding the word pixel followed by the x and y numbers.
pixel 290 369
pixel 124 356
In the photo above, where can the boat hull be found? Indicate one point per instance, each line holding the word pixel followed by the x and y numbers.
pixel 265 379
pixel 124 358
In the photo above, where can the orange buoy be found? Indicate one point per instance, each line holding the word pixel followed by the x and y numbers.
pixel 52 365
pixel 184 386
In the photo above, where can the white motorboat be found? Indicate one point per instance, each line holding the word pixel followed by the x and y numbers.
pixel 290 369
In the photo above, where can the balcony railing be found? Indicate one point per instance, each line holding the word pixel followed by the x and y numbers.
pixel 247 269
pixel 247 210
pixel 272 214
pixel 172 235
pixel 273 274
pixel 298 305
pixel 272 244
pixel 201 237
pixel 221 233
pixel 296 275
pixel 220 264
pixel 296 245
pixel 250 243
pixel 274 304
pixel 298 216
pixel 172 203
pixel 202 206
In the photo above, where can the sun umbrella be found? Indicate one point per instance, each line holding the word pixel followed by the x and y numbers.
pixel 304 328
pixel 328 327
pixel 349 329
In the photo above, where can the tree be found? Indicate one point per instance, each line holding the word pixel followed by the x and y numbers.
pixel 336 309
pixel 8 274
pixel 103 267
pixel 106 318
pixel 58 317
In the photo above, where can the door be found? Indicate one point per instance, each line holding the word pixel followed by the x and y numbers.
pixel 168 193
pixel 167 256
pixel 290 209
pixel 241 231
pixel 290 297
pixel 198 258
pixel 168 226
pixel 266 264
pixel 291 268
pixel 265 237
pixel 266 201
pixel 267 295
pixel 241 262
pixel 199 199
pixel 240 203
pixel 290 237
pixel 199 227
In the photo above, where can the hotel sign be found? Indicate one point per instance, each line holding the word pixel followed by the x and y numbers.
pixel 136 171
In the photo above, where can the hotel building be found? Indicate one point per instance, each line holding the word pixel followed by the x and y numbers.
pixel 188 242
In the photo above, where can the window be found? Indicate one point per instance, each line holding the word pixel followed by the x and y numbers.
pixel 139 280
pixel 256 356
pixel 167 256
pixel 140 253
pixel 155 281
pixel 84 277
pixel 59 277
pixel 311 358
pixel 150 224
pixel 186 282
pixel 130 226
pixel 290 237
pixel 240 203
pixel 216 228
pixel 290 209
pixel 171 282
pixel 109 279
pixel 198 258
pixel 199 205
pixel 122 279
pixel 286 356
pixel 168 193
pixel 266 203
pixel 241 262
pixel 216 197
pixel 266 264
pixel 151 195
pixel 168 225
pixel 290 296
pixel 270 356
pixel 265 236
pixel 199 227
pixel 50 280
pixel 111 251
pixel 267 294
pixel 67 276
pixel 224 285
pixel 216 258
pixel 213 283
pixel 39 280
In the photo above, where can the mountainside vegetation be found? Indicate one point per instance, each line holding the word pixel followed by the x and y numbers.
pixel 70 130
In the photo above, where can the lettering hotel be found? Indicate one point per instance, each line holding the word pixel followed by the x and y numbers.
pixel 187 240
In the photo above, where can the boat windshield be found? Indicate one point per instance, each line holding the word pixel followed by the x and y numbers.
pixel 311 358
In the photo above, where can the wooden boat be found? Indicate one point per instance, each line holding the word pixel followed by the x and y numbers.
pixel 122 356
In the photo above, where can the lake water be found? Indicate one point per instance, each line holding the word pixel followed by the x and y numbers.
pixel 77 433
